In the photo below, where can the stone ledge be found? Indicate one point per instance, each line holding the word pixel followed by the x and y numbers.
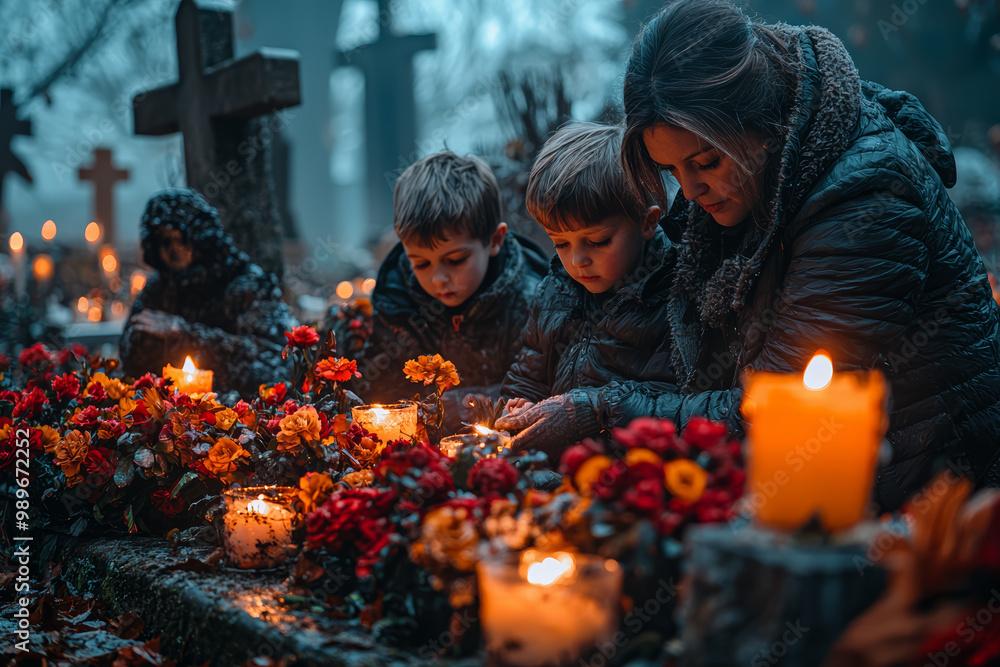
pixel 224 617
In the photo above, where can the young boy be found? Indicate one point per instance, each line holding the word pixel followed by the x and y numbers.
pixel 456 284
pixel 600 315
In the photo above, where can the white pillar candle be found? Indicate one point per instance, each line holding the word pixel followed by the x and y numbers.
pixel 393 421
pixel 258 526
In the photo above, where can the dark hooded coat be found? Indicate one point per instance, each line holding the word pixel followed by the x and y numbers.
pixel 481 337
pixel 865 256
pixel 577 339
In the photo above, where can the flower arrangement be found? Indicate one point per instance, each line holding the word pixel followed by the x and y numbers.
pixel 433 370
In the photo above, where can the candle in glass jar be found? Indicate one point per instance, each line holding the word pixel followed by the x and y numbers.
pixel 573 601
pixel 813 441
pixel 483 438
pixel 258 526
pixel 189 379
pixel 390 422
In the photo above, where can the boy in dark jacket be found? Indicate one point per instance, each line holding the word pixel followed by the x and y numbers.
pixel 600 314
pixel 456 284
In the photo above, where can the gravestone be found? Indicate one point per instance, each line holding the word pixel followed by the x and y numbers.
pixel 217 104
pixel 10 126
pixel 390 110
pixel 103 174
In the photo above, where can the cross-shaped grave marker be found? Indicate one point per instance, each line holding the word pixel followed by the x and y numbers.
pixel 216 104
pixel 10 126
pixel 104 175
pixel 390 110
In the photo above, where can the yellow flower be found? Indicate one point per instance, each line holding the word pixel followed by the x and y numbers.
pixel 364 306
pixel 589 472
pixel 432 370
pixel 222 457
pixel 314 489
pixel 301 424
pixel 71 452
pixel 685 479
pixel 126 406
pixel 225 418
pixel 358 478
pixel 448 537
pixel 50 438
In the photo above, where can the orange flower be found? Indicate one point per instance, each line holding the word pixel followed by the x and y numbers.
pixel 448 537
pixel 358 478
pixel 589 472
pixel 72 452
pixel 50 438
pixel 114 387
pixel 685 479
pixel 225 418
pixel 338 370
pixel 303 424
pixel 364 306
pixel 314 489
pixel 640 455
pixel 432 370
pixel 126 406
pixel 223 455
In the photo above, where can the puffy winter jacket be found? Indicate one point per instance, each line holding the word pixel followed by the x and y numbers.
pixel 869 259
pixel 576 339
pixel 481 337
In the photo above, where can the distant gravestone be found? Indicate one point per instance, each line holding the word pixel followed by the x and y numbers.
pixel 103 174
pixel 216 104
pixel 10 126
pixel 390 110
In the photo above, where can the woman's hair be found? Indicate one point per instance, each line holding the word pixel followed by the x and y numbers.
pixel 577 179
pixel 703 66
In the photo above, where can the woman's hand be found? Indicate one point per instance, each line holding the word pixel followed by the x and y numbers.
pixel 553 424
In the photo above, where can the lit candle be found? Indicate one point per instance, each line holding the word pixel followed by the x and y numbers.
pixel 482 437
pixel 395 421
pixel 813 444
pixel 189 379
pixel 17 253
pixel 540 608
pixel 258 526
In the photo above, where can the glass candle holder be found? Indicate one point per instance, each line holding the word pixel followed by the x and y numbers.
pixel 392 421
pixel 547 608
pixel 489 442
pixel 258 526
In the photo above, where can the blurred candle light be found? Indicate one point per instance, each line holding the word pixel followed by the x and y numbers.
pixel 92 233
pixel 49 230
pixel 813 444
pixel 94 314
pixel 109 263
pixel 368 286
pixel 345 290
pixel 82 304
pixel 16 242
pixel 17 263
pixel 138 281
pixel 43 268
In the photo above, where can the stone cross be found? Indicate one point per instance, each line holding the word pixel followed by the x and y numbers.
pixel 390 110
pixel 10 127
pixel 104 175
pixel 216 104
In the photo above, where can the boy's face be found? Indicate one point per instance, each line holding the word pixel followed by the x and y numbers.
pixel 600 255
pixel 453 270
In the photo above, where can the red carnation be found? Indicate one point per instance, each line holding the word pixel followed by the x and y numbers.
pixel 67 353
pixel 11 397
pixel 96 392
pixel 657 435
pixel 302 336
pixel 30 403
pixel 643 488
pixel 150 380
pixel 705 434
pixel 493 476
pixel 66 386
pixel 86 418
pixel 169 506
pixel 358 518
pixel 98 466
pixel 36 357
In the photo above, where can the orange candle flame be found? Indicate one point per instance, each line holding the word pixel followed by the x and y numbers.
pixel 550 570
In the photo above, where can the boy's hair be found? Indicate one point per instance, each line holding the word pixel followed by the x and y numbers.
pixel 444 194
pixel 577 180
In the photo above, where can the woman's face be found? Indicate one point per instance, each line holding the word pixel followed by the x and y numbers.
pixel 707 175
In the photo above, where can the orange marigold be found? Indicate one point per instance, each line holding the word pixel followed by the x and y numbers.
pixel 50 438
pixel 314 489
pixel 432 370
pixel 685 479
pixel 303 424
pixel 338 370
pixel 71 453
pixel 223 455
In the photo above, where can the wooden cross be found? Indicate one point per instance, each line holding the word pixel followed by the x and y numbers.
pixel 214 104
pixel 390 110
pixel 10 127
pixel 104 176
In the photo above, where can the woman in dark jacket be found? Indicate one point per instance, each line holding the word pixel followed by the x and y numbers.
pixel 820 220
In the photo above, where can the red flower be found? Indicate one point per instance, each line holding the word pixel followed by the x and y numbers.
pixel 356 518
pixel 67 353
pixel 11 397
pixel 30 403
pixel 98 466
pixel 273 395
pixel 66 386
pixel 110 429
pixel 574 457
pixel 169 506
pixel 493 477
pixel 303 336
pixel 290 407
pixel 338 370
pixel 434 485
pixel 150 380
pixel 657 435
pixel 4 363
pixel 705 434
pixel 399 457
pixel 644 489
pixel 35 357
pixel 87 418
pixel 96 392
